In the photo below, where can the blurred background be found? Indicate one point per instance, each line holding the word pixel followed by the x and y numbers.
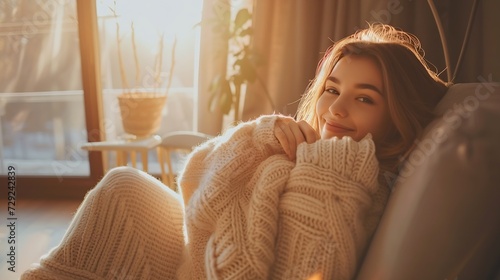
pixel 45 113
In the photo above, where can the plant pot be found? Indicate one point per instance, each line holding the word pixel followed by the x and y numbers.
pixel 141 113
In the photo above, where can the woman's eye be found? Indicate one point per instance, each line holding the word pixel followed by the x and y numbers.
pixel 332 91
pixel 365 100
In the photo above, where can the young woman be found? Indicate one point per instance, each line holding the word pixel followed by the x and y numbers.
pixel 273 198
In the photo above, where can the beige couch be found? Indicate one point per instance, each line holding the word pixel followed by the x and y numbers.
pixel 442 220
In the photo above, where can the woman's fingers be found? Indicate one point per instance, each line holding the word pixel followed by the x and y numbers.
pixel 310 134
pixel 295 137
pixel 285 137
pixel 291 133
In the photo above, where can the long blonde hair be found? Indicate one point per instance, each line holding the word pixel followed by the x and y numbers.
pixel 412 89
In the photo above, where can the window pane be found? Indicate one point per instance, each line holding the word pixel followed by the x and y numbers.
pixel 141 25
pixel 42 122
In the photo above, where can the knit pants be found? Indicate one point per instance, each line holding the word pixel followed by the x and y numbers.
pixel 130 226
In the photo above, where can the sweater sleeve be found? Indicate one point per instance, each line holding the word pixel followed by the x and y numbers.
pixel 242 246
pixel 230 155
pixel 323 209
pixel 214 184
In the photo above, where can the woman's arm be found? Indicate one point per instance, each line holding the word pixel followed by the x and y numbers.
pixel 230 156
pixel 215 189
pixel 324 207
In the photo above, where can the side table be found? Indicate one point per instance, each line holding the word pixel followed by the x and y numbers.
pixel 125 147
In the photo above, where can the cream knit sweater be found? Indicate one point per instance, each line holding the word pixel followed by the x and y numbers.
pixel 128 227
pixel 250 213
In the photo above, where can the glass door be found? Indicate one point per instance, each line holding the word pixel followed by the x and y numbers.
pixel 151 46
pixel 42 116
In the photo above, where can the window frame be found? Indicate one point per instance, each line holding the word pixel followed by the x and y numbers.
pixel 75 187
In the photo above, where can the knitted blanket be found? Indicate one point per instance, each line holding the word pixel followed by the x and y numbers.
pixel 251 213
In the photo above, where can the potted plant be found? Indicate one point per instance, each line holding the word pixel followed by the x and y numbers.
pixel 227 88
pixel 141 106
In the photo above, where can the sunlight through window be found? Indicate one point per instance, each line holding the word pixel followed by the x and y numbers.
pixel 141 25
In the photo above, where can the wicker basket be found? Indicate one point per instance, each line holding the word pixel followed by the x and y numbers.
pixel 141 113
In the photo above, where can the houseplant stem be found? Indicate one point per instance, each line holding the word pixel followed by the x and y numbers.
pixel 237 93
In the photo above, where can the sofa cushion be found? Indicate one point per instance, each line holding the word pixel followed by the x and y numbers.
pixel 442 218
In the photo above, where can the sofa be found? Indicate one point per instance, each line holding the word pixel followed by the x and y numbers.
pixel 442 220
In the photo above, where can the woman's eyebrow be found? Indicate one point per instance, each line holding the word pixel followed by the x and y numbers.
pixel 360 85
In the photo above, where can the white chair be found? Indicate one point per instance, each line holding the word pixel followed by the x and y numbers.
pixel 183 141
pixel 125 148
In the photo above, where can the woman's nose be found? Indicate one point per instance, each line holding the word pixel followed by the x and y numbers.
pixel 339 107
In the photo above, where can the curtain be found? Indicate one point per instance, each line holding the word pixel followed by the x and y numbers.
pixel 480 58
pixel 211 63
pixel 37 45
pixel 292 35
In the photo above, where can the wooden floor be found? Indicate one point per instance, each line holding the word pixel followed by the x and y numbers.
pixel 40 225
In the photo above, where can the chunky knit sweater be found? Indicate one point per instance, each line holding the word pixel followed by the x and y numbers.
pixel 128 227
pixel 251 213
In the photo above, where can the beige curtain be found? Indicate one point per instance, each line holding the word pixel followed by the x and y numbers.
pixel 292 35
pixel 480 58
pixel 484 44
pixel 210 65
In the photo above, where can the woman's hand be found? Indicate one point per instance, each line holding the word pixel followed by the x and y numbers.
pixel 291 133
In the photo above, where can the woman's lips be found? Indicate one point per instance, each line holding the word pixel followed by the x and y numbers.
pixel 337 128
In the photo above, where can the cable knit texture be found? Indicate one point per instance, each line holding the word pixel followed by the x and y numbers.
pixel 250 213
pixel 130 226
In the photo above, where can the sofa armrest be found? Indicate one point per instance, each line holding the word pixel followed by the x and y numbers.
pixel 442 218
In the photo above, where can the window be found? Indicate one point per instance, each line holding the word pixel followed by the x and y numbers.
pixel 141 25
pixel 42 121
pixel 42 111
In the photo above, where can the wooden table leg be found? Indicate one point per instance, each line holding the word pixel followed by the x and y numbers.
pixel 121 158
pixel 161 161
pixel 105 162
pixel 171 178
pixel 133 159
pixel 145 160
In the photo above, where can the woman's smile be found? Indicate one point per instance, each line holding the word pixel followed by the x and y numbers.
pixel 337 128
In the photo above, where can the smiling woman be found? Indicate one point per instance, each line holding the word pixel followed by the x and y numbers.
pixel 352 103
pixel 391 62
pixel 264 190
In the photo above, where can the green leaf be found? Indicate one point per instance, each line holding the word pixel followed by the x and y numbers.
pixel 242 17
pixel 247 31
pixel 238 53
pixel 220 95
pixel 214 89
pixel 247 69
pixel 226 99
pixel 215 84
pixel 238 80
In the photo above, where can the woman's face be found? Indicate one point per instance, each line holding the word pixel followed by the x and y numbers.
pixel 353 102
